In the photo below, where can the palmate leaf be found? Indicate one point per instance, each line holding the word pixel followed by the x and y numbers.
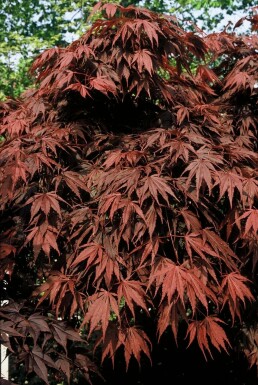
pixel 11 311
pixel 63 365
pixel 229 182
pixel 45 202
pixel 37 161
pixel 150 29
pixel 62 333
pixel 109 8
pixel 73 180
pixel 15 125
pixel 251 222
pixel 86 366
pixel 207 243
pixel 235 290
pixel 43 237
pixel 182 113
pixel 107 302
pixel 170 314
pixel 104 85
pixel 110 342
pixel 166 271
pixel 8 330
pixel 52 143
pixel 207 74
pixel 156 187
pixel 39 362
pixel 150 249
pixel 208 332
pixel 114 202
pixel 195 242
pixel 131 158
pixel 203 169
pixel 14 172
pixel 237 80
pixel 135 342
pixel 33 325
pixel 250 191
pixel 143 60
pixel 59 288
pixel 221 247
pixel 133 294
pixel 105 264
pixel 179 283
pixel 127 178
pixel 191 220
pixel 92 254
pixel 179 149
pixel 132 216
pixel 111 202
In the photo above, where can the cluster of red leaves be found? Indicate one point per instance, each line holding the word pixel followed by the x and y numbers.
pixel 128 187
pixel 36 339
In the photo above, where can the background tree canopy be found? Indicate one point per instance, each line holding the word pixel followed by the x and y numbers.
pixel 28 27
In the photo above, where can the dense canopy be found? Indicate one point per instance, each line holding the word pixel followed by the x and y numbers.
pixel 28 27
pixel 128 194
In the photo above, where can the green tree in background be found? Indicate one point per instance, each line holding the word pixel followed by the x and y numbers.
pixel 28 27
pixel 209 13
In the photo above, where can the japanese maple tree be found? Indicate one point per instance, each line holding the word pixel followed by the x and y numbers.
pixel 129 192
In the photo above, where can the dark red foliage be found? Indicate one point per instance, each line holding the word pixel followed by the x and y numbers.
pixel 129 190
